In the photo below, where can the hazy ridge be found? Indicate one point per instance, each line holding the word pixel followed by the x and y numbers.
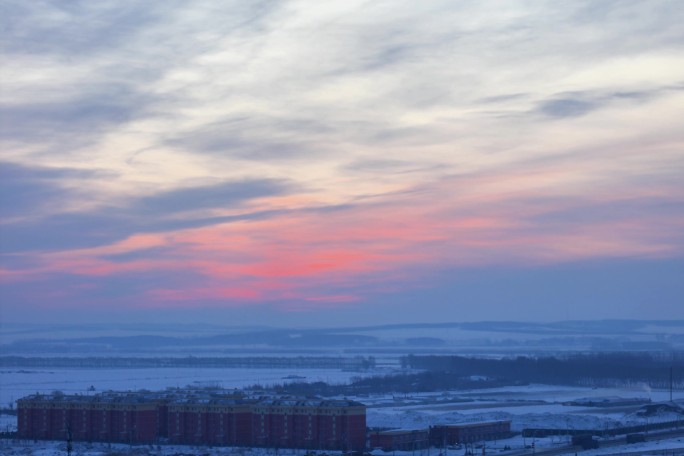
pixel 484 336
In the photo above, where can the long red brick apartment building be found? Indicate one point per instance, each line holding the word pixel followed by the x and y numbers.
pixel 207 418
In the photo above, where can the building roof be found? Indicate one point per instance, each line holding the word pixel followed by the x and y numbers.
pixel 192 397
pixel 401 431
pixel 470 425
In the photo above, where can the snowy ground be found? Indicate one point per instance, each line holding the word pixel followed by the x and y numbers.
pixel 16 383
pixel 13 448
pixel 8 423
pixel 515 446
pixel 526 406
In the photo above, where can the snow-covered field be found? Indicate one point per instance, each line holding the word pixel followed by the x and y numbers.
pixel 13 448
pixel 526 407
pixel 8 423
pixel 16 383
pixel 516 446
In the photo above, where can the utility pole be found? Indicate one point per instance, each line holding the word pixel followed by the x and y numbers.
pixel 68 446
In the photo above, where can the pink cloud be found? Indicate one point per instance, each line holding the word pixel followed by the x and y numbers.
pixel 293 256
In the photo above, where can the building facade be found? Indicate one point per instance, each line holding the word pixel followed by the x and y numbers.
pixel 121 418
pixel 195 418
pixel 401 440
pixel 452 434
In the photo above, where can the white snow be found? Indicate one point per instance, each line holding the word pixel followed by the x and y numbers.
pixel 16 383
pixel 526 406
pixel 8 423
pixel 53 448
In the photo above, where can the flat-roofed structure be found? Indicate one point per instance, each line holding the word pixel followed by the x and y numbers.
pixel 452 434
pixel 400 439
pixel 309 423
pixel 197 418
pixel 110 417
pixel 223 421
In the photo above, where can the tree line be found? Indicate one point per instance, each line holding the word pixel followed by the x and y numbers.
pixel 594 369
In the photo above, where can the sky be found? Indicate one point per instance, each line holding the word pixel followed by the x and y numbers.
pixel 320 163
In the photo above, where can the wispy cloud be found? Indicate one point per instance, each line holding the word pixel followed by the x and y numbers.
pixel 317 154
pixel 165 211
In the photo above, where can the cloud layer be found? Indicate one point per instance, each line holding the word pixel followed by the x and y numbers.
pixel 306 157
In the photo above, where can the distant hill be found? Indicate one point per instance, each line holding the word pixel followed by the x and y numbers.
pixel 486 336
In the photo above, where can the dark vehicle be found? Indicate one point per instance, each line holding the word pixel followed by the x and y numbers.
pixel 635 438
pixel 586 441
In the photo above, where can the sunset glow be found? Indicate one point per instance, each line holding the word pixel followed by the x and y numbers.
pixel 303 157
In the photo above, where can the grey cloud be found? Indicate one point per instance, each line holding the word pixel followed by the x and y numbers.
pixel 222 195
pixel 575 104
pixel 62 231
pixel 394 167
pixel 592 212
pixel 632 95
pixel 71 120
pixel 598 11
pixel 71 28
pixel 566 107
pixel 85 230
pixel 112 29
pixel 19 198
pixel 504 97
pixel 15 171
pixel 256 149
pixel 640 17
pixel 25 190
pixel 140 254
pixel 250 138
pixel 383 56
pixel 377 165
pixel 126 47
pixel 386 134
pixel 111 289
pixel 147 214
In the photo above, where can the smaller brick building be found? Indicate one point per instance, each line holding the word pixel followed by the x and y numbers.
pixel 405 440
pixel 452 434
